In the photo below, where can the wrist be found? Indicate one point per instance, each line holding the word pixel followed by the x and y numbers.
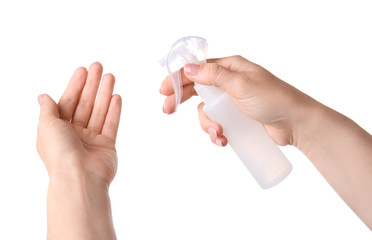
pixel 77 180
pixel 308 124
pixel 73 169
pixel 79 207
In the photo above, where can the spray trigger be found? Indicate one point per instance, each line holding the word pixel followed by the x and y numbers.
pixel 186 50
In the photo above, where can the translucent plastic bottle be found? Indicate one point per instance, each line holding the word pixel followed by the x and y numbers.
pixel 247 137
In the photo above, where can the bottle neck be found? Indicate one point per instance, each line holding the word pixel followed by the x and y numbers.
pixel 208 94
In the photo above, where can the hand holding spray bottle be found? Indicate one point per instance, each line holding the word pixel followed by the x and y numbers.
pixel 247 137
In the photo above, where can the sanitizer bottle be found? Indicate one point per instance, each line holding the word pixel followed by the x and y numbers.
pixel 247 137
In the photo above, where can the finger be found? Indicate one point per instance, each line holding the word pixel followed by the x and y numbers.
pixel 219 141
pixel 214 74
pixel 208 126
pixel 86 102
pixel 48 108
pixel 169 105
pixel 111 124
pixel 166 87
pixel 102 103
pixel 234 63
pixel 71 96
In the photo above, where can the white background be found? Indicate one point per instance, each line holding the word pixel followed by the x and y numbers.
pixel 172 183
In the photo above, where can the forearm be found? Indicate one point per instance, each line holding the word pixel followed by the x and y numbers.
pixel 342 152
pixel 79 208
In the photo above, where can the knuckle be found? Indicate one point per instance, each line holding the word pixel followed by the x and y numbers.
pixel 100 113
pixel 190 91
pixel 200 107
pixel 84 103
pixel 237 57
pixel 239 63
pixel 66 101
pixel 213 140
pixel 214 71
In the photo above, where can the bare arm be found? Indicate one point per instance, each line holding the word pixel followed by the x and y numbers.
pixel 342 152
pixel 79 208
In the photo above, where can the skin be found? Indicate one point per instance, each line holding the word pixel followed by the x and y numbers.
pixel 76 141
pixel 337 146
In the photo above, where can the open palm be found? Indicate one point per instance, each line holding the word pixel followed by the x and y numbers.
pixel 79 133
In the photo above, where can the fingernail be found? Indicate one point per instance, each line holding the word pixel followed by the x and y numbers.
pixel 219 142
pixel 167 109
pixel 40 99
pixel 212 132
pixel 164 108
pixel 191 69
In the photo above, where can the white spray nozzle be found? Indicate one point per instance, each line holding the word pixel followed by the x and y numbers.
pixel 186 50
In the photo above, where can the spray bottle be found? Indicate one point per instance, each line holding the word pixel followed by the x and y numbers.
pixel 247 137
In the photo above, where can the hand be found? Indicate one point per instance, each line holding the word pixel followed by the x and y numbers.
pixel 257 92
pixel 336 145
pixel 79 134
pixel 76 141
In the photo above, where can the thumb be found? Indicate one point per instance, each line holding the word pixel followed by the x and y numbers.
pixel 48 107
pixel 213 74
